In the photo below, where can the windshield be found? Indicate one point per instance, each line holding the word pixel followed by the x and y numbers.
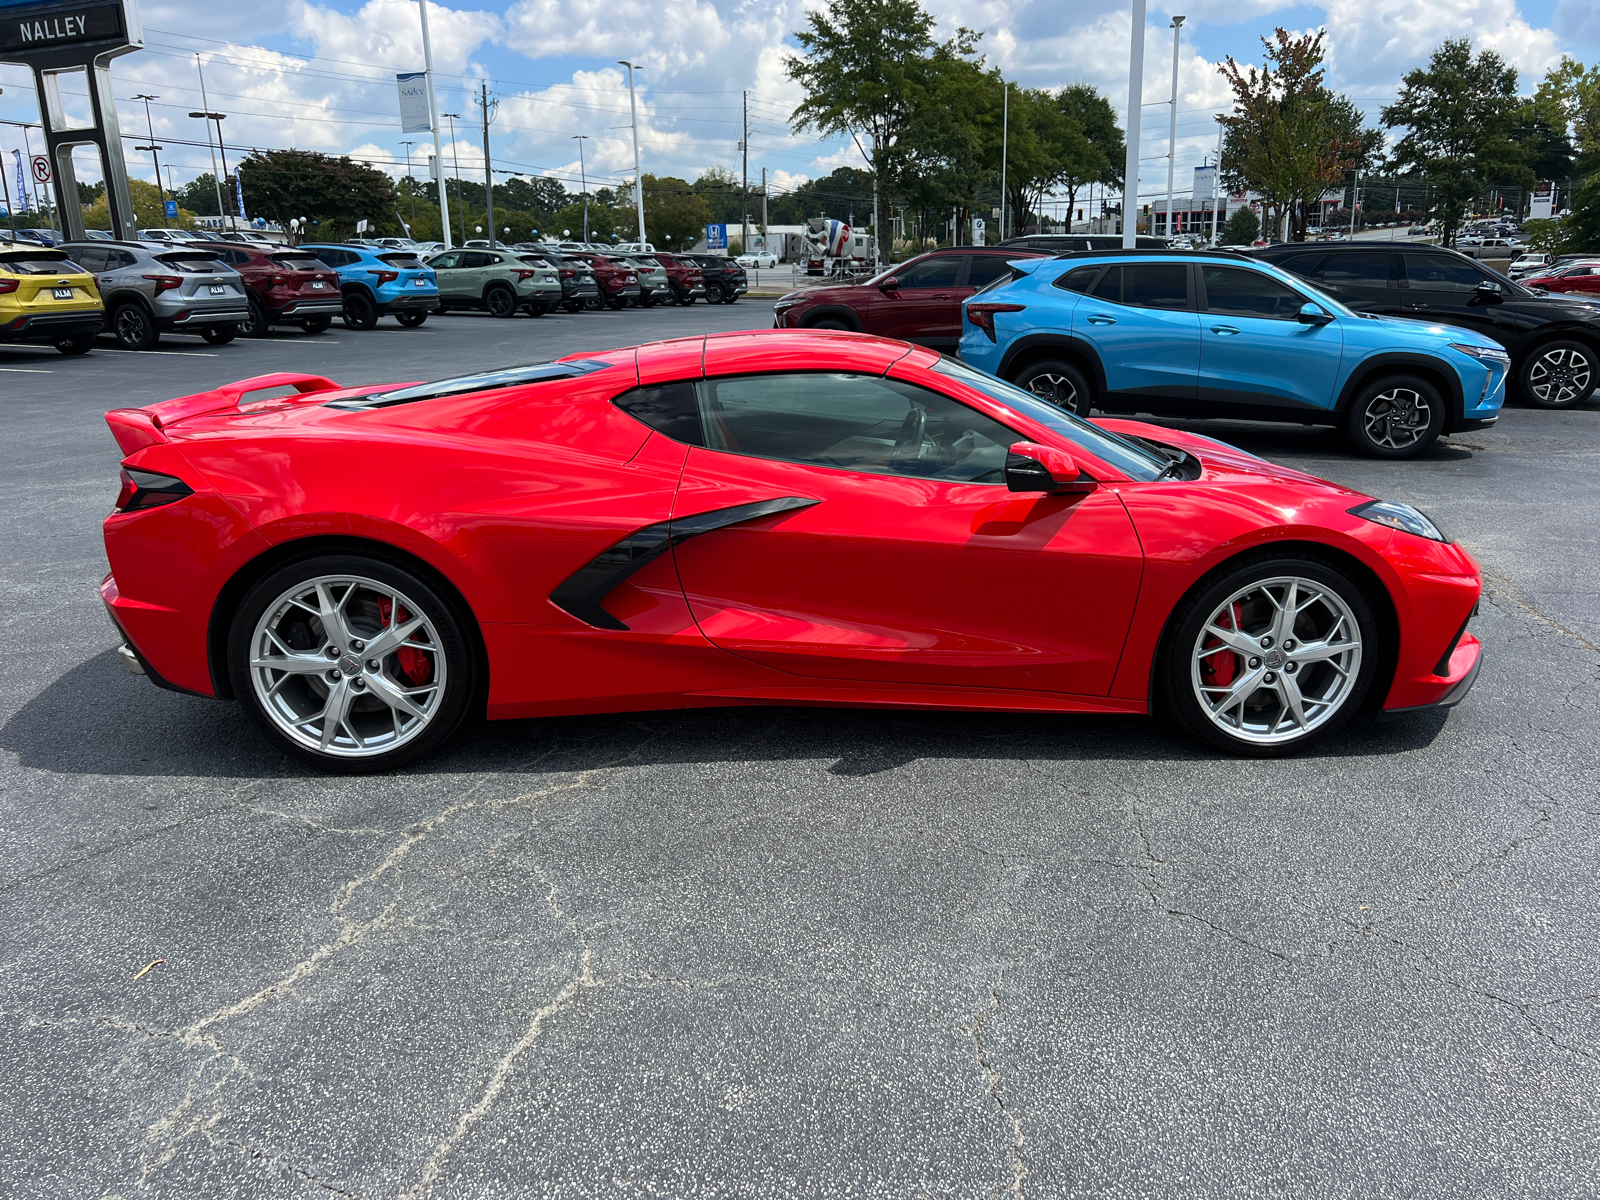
pixel 38 264
pixel 1128 457
pixel 297 262
pixel 406 262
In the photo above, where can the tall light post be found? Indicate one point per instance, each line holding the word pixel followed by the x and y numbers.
pixel 1130 170
pixel 638 177
pixel 152 147
pixel 583 182
pixel 455 153
pixel 206 103
pixel 1005 149
pixel 411 184
pixel 1172 126
pixel 222 211
pixel 433 120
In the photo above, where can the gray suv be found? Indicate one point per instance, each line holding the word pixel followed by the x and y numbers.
pixel 150 289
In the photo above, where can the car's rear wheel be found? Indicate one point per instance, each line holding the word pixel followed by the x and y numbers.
pixel 501 302
pixel 135 329
pixel 1396 417
pixel 255 325
pixel 535 310
pixel 1058 382
pixel 573 306
pixel 1273 655
pixel 317 324
pixel 1559 374
pixel 617 304
pixel 351 663
pixel 687 298
pixel 714 294
pixel 220 335
pixel 78 343
pixel 360 312
pixel 647 301
pixel 411 320
pixel 829 323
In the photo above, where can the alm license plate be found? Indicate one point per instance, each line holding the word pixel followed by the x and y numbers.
pixel 317 283
pixel 219 289
pixel 61 293
pixel 419 283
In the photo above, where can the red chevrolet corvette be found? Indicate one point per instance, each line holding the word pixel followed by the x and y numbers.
pixel 775 517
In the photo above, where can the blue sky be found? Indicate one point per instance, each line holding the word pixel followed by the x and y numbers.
pixel 320 75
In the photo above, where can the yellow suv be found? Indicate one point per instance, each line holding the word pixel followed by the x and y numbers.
pixel 46 297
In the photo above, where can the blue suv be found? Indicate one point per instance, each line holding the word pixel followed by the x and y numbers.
pixel 1221 335
pixel 375 281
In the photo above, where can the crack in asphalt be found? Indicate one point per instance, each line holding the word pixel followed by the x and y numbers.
pixel 1019 1168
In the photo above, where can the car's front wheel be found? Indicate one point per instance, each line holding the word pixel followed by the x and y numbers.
pixel 317 324
pixel 256 324
pixel 135 328
pixel 1058 382
pixel 1559 374
pixel 220 335
pixel 351 663
pixel 77 343
pixel 1271 656
pixel 411 320
pixel 501 302
pixel 714 293
pixel 1397 417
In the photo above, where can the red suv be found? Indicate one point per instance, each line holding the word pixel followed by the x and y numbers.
pixel 285 286
pixel 684 276
pixel 918 300
pixel 619 284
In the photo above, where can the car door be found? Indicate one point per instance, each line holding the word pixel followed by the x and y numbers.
pixel 1365 280
pixel 922 307
pixel 447 269
pixel 1446 288
pixel 870 536
pixel 1140 319
pixel 1254 350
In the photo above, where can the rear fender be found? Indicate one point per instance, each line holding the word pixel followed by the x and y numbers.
pixel 1074 349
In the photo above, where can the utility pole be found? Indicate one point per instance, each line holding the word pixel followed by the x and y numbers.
pixel 583 182
pixel 1005 149
pixel 1355 202
pixel 764 244
pixel 488 175
pixel 1130 170
pixel 433 120
pixel 638 178
pixel 152 147
pixel 411 184
pixel 744 199
pixel 455 152
pixel 205 103
pixel 1172 127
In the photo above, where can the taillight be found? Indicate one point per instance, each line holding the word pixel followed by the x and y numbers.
pixel 164 283
pixel 385 276
pixel 526 275
pixel 9 285
pixel 146 489
pixel 568 274
pixel 982 315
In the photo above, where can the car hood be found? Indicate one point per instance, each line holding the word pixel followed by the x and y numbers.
pixel 1222 463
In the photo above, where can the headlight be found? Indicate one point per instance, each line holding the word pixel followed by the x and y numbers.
pixel 1489 352
pixel 1399 516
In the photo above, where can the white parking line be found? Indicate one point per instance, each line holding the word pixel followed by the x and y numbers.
pixel 178 353
pixel 26 371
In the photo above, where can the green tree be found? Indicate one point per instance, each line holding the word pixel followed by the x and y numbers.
pixel 949 152
pixel 721 189
pixel 1460 115
pixel 671 206
pixel 1241 228
pixel 149 210
pixel 333 192
pixel 841 192
pixel 199 195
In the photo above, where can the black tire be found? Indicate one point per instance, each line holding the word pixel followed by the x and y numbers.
pixel 78 343
pixel 439 310
pixel 359 311
pixel 135 329
pixel 454 647
pixel 713 293
pixel 1058 382
pixel 256 324
pixel 687 298
pixel 317 324
pixel 535 310
pixel 1559 374
pixel 829 323
pixel 647 301
pixel 501 302
pixel 595 304
pixel 220 335
pixel 730 297
pixel 1395 417
pixel 573 306
pixel 1196 662
pixel 617 304
pixel 411 320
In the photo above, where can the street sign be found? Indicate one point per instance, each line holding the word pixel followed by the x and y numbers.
pixel 41 169
pixel 716 237
pixel 172 210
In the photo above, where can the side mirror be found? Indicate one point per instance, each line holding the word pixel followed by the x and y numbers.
pixel 1031 467
pixel 891 284
pixel 1313 314
pixel 1488 292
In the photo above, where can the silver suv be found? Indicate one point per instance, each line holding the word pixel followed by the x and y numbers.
pixel 150 289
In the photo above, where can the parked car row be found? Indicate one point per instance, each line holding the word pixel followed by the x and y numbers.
pixel 170 282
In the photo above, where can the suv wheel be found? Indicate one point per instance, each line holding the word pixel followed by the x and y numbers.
pixel 256 324
pixel 316 324
pixel 1058 382
pixel 78 343
pixel 351 663
pixel 501 302
pixel 220 335
pixel 1395 417
pixel 714 293
pixel 687 298
pixel 411 319
pixel 135 328
pixel 359 311
pixel 1559 375
pixel 1277 653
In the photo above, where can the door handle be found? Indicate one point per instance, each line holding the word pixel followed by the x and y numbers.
pixel 1225 330
pixel 1413 307
pixel 942 297
pixel 1102 319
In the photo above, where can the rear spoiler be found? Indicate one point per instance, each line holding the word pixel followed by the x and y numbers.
pixel 135 428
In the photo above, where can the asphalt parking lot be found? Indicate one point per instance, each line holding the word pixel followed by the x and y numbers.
pixel 791 952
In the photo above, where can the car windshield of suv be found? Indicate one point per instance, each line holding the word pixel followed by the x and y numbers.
pixel 532 260
pixel 406 262
pixel 192 262
pixel 35 263
pixel 1128 457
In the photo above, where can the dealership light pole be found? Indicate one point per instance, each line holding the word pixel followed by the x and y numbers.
pixel 152 147
pixel 638 177
pixel 433 120
pixel 455 152
pixel 1130 170
pixel 1172 127
pixel 583 182
pixel 1005 147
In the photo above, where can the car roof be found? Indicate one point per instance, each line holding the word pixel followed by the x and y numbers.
pixel 1226 255
pixel 33 247
pixel 1345 248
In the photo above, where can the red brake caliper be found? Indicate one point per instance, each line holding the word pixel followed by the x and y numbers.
pixel 414 664
pixel 1220 670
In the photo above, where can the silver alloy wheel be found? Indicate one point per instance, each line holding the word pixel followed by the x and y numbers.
pixel 1397 419
pixel 347 666
pixel 1276 660
pixel 1559 375
pixel 131 324
pixel 1057 389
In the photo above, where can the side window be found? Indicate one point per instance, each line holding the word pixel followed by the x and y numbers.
pixel 1307 266
pixel 446 262
pixel 671 409
pixel 1080 279
pixel 1236 293
pixel 1156 285
pixel 90 259
pixel 932 273
pixel 1442 273
pixel 985 269
pixel 854 423
pixel 1110 286
pixel 117 260
pixel 1357 270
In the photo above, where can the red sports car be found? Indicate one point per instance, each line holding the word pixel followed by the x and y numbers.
pixel 775 517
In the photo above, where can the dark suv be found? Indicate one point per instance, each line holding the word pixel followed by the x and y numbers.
pixel 918 300
pixel 724 279
pixel 1554 341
